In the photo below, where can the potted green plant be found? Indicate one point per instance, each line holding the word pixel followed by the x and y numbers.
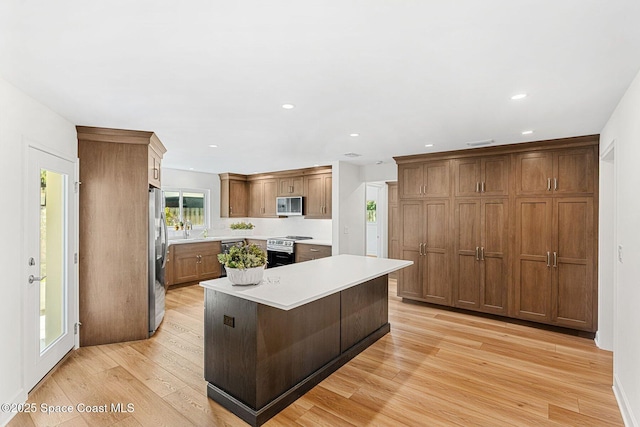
pixel 242 228
pixel 244 264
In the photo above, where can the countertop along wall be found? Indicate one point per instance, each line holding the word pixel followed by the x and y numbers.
pixel 623 131
pixel 23 121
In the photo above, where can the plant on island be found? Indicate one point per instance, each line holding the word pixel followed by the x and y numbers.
pixel 243 257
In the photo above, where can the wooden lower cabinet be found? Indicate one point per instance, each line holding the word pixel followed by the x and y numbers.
pixel 307 252
pixel 424 239
pixel 195 262
pixel 555 261
pixel 481 255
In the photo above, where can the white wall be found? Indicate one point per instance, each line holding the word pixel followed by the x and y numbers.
pixel 606 243
pixel 266 227
pixel 348 209
pixel 624 128
pixel 23 121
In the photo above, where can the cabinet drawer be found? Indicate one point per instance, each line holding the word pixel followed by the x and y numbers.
pixel 310 252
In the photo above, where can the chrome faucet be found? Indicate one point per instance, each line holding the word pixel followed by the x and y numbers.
pixel 187 229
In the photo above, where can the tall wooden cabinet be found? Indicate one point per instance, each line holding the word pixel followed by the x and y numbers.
pixel 522 237
pixel 318 193
pixel 116 170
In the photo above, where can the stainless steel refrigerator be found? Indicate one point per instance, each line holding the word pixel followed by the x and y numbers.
pixel 158 246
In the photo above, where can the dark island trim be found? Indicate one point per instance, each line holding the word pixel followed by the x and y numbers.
pixel 257 418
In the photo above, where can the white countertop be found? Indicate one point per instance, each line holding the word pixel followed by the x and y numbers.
pixel 220 238
pixel 309 281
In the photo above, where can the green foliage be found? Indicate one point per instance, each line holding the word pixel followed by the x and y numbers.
pixel 242 226
pixel 371 210
pixel 244 256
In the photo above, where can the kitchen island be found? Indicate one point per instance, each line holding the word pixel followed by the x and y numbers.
pixel 268 344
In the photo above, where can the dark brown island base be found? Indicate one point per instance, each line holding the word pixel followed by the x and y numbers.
pixel 266 345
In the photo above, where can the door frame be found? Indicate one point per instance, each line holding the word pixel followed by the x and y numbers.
pixel 72 248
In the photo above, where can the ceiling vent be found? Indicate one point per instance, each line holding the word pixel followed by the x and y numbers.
pixel 480 143
pixel 352 155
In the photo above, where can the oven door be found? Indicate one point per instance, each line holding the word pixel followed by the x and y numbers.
pixel 276 258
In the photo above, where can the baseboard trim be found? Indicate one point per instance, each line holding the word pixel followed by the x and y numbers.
pixel 262 415
pixel 18 398
pixel 623 403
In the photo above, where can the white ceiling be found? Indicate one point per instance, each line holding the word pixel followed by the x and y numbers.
pixel 401 73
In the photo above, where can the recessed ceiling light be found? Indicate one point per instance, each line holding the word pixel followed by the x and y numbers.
pixel 428 145
pixel 527 132
pixel 519 96
pixel 354 134
pixel 213 146
pixel 288 106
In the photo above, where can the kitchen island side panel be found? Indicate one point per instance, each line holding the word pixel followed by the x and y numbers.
pixel 295 343
pixel 230 352
pixel 364 309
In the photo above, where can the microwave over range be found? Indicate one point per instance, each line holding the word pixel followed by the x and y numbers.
pixel 289 206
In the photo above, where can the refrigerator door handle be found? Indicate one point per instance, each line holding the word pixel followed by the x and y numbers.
pixel 165 241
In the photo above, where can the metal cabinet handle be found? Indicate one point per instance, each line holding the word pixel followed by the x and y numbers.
pixel 156 173
pixel 482 189
pixel 548 259
pixel 313 250
pixel 555 184
pixel 548 184
pixel 482 254
pixel 421 253
pixel 477 187
pixel 230 209
pixel 33 278
pixel 555 260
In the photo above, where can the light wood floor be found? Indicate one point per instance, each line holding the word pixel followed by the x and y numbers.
pixel 435 368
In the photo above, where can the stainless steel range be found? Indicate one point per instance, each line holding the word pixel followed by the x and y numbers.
pixel 281 250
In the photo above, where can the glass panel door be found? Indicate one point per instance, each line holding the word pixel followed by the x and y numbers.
pixel 52 256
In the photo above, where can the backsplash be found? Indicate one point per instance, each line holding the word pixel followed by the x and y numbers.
pixel 270 227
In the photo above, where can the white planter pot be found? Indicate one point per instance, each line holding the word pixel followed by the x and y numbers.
pixel 247 276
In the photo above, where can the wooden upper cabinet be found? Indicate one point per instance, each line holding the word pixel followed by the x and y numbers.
pixel 318 193
pixel 428 179
pixel 234 197
pixel 262 198
pixel 485 176
pixel 563 172
pixel 291 186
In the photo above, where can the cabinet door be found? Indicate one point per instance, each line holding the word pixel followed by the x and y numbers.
pixel 154 169
pixel 318 193
pixel 185 267
pixel 436 275
pixel 467 254
pixel 292 186
pixel 495 176
pixel 409 278
pixel 573 263
pixel 436 177
pixel 410 181
pixel 328 194
pixel 255 199
pixel 208 264
pixel 314 195
pixel 494 250
pixel 533 259
pixel 467 177
pixel 573 171
pixel 238 200
pixel 534 173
